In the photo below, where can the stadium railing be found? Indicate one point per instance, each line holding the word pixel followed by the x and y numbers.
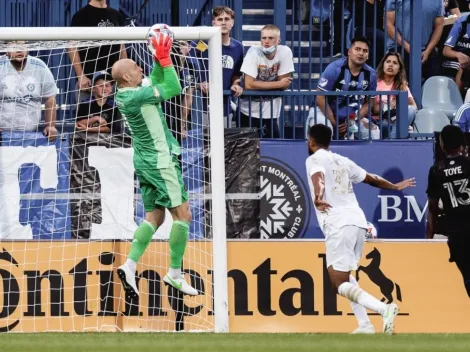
pixel 296 110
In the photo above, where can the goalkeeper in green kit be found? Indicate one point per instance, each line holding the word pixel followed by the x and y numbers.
pixel 156 162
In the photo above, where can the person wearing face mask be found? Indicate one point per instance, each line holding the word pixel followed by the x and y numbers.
pixel 391 75
pixel 266 67
pixel 344 112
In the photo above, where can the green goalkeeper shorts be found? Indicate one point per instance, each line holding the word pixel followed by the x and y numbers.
pixel 162 187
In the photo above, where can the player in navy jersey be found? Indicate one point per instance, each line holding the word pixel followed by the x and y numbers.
pixel 449 182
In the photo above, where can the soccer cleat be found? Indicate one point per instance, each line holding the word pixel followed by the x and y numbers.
pixel 389 315
pixel 369 329
pixel 180 284
pixel 128 281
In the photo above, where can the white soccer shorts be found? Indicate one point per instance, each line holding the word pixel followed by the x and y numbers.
pixel 344 247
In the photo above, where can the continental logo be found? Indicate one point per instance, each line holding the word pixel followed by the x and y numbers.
pixel 285 208
pixel 88 289
pixel 84 293
pixel 273 287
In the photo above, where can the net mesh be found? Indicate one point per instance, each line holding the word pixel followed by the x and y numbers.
pixel 69 206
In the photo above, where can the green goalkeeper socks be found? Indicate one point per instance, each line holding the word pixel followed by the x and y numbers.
pixel 142 237
pixel 178 239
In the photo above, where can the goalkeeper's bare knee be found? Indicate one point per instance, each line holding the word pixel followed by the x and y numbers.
pixel 156 216
pixel 182 213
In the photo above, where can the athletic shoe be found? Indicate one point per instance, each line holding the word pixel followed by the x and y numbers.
pixel 369 329
pixel 389 315
pixel 180 284
pixel 128 281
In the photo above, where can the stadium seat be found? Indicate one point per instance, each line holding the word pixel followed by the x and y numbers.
pixel 430 120
pixel 442 93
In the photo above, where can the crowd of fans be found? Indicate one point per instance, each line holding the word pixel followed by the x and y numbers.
pixel 382 65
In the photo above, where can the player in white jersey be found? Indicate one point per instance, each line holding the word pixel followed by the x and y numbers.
pixel 330 177
pixel 25 83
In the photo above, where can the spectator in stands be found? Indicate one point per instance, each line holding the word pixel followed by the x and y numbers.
pixel 232 58
pixel 457 52
pixel 350 74
pixel 451 7
pixel 99 113
pixel 364 13
pixel 25 83
pixel 451 13
pixel 399 14
pixel 391 75
pixel 462 118
pixel 178 109
pixel 99 58
pixel 266 67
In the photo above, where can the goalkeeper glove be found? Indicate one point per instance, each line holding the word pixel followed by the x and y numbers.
pixel 162 44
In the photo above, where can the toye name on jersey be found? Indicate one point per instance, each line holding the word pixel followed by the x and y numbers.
pixel 453 171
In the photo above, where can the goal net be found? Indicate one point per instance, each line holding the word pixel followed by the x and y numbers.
pixel 69 206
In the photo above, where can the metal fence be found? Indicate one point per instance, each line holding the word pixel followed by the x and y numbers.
pixel 299 111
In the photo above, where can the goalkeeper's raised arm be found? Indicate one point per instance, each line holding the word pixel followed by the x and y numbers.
pixel 163 79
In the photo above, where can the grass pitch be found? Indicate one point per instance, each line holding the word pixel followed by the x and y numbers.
pixel 203 342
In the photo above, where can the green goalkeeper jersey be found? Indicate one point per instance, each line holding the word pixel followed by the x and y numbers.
pixel 140 108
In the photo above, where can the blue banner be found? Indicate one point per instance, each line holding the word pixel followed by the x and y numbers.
pixel 37 193
pixel 286 204
pixel 43 169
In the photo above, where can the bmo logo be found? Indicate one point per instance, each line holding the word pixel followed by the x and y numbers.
pixel 395 208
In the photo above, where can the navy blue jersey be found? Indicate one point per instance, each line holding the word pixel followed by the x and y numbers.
pixel 108 111
pixel 459 36
pixel 462 118
pixel 232 59
pixel 337 77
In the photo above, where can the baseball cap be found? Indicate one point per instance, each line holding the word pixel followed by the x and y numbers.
pixel 101 75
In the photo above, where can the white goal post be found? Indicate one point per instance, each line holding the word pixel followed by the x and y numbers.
pixel 212 36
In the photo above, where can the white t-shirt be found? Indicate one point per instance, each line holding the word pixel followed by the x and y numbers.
pixel 256 65
pixel 340 173
pixel 22 93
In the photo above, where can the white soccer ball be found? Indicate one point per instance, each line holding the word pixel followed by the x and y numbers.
pixel 154 31
pixel 371 231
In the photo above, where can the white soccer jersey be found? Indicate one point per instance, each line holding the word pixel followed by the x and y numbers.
pixel 340 173
pixel 256 65
pixel 21 93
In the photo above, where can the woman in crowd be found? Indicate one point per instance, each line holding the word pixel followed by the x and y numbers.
pixel 391 75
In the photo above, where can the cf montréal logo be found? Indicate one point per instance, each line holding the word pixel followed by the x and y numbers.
pixel 284 205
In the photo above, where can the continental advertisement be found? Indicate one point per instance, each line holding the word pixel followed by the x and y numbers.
pixel 273 287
